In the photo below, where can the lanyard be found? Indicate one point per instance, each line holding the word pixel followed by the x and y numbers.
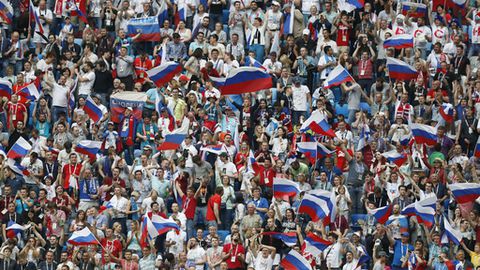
pixel 70 169
pixel 364 65
pixel 458 61
pixel 13 110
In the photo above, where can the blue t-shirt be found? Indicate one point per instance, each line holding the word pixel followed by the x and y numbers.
pixel 151 96
pixel 260 203
pixel 400 250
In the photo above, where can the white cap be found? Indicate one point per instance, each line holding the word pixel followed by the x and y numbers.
pixel 306 31
pixel 275 3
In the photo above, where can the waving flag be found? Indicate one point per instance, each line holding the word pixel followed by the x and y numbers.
pixel 294 261
pixel 148 28
pixel 33 18
pixel 399 41
pixel 83 237
pixel 381 214
pixel 81 11
pixel 214 149
pixel 181 14
pixel 417 10
pixel 6 11
pixel 459 3
pixel 400 70
pixel 92 110
pixel 315 244
pixel 13 226
pixel 5 88
pixel 288 21
pixel 424 210
pixel 174 140
pixel 309 149
pixel 330 199
pixel 406 139
pixel 290 238
pixel 149 231
pixel 364 136
pixel 323 151
pixel 477 149
pixel 465 192
pixel 162 13
pixel 29 92
pixel 318 124
pixel 284 187
pixel 424 134
pixel 317 208
pixel 395 157
pixel 364 257
pixel 338 76
pixel 163 225
pixel 89 148
pixel 446 111
pixel 357 3
pixel 17 168
pixel 164 73
pixel 450 233
pixel 252 62
pixel 243 80
pixel 20 149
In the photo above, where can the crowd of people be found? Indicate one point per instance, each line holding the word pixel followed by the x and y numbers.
pixel 218 185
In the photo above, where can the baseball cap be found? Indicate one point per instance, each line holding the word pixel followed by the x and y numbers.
pixel 223 154
pixel 406 234
pixel 306 32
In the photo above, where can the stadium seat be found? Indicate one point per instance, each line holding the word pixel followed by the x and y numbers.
pixel 341 109
pixel 364 106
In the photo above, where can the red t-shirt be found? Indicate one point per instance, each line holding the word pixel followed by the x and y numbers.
pixel 108 181
pixel 114 246
pixel 15 112
pixel 68 170
pixel 343 35
pixel 266 177
pixel 189 206
pixel 141 67
pixel 232 260
pixel 215 199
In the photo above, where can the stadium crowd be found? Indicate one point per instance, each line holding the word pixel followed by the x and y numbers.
pixel 212 200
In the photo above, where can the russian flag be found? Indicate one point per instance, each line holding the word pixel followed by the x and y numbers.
pixel 214 149
pixel 104 207
pixel 6 11
pixel 395 157
pixel 330 199
pixel 81 13
pixel 446 111
pixel 357 3
pixel 5 88
pixel 17 228
pixel 148 231
pixel 162 14
pixel 164 73
pixel 284 187
pixel 318 124
pixel 465 192
pixel 163 225
pixel 424 210
pixel 148 28
pixel 89 148
pixel 309 149
pixel 424 134
pixel 252 62
pixel 477 149
pixel 92 110
pixel 323 151
pixel 406 139
pixel 289 238
pixel 459 3
pixel 29 92
pixel 381 214
pixel 315 244
pixel 83 237
pixel 20 149
pixel 338 76
pixel 399 41
pixel 317 208
pixel 294 261
pixel 173 140
pixel 417 9
pixel 400 70
pixel 288 21
pixel 364 257
pixel 17 168
pixel 243 80
pixel 450 233
pixel 181 14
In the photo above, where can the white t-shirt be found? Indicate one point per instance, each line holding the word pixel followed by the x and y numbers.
pixel 147 202
pixel 262 263
pixel 60 95
pixel 196 255
pixel 179 240
pixel 85 88
pixel 300 99
pixel 439 34
pixel 475 32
